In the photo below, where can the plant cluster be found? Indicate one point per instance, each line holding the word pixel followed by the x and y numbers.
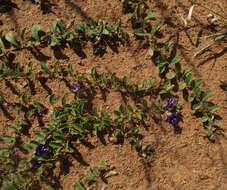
pixel 72 121
pixel 96 174
pixel 28 165
pixel 99 34
pixel 139 18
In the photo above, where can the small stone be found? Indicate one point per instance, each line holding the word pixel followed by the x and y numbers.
pixel 113 139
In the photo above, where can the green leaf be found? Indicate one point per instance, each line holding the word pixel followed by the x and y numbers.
pixel 149 16
pixel 10 38
pixel 17 67
pixel 204 119
pixel 38 105
pixel 175 60
pixel 7 137
pixel 151 52
pixel 79 186
pixel 161 68
pixel 163 91
pixel 155 29
pixel 97 170
pixel 170 75
pixel 139 116
pixel 24 98
pixel 43 179
pixel 209 133
pixel 2 97
pixel 205 106
pixel 104 78
pixel 18 110
pixel 104 114
pixel 10 186
pixel 220 36
pixel 104 163
pixel 197 91
pixel 130 15
pixel 55 145
pixel 51 99
pixel 140 32
pixel 53 42
pixel 69 149
pixel 187 70
pixel 124 81
pixel 5 68
pixel 122 109
pixel 45 37
pixel 188 79
pixel 63 100
pixel 35 31
pixel 145 103
pixel 19 123
pixel 138 7
pixel 178 69
pixel 214 108
pixel 13 128
pixel 152 83
pixel 130 108
pixel 217 123
pixel 38 135
pixel 48 188
pixel 34 143
pixel 56 68
pixel 45 130
pixel 69 67
pixel 160 60
pixel 27 146
pixel 197 82
pixel 205 95
pixel 9 167
pixel 79 27
pixel 190 98
pixel 113 78
pixel 54 27
pixel 22 35
pixel 144 83
pixel 117 113
pixel 135 130
pixel 166 46
pixel 196 106
pixel 61 27
pixel 91 173
pixel 1 41
pixel 30 67
pixel 88 179
pixel 182 86
pixel 93 73
pixel 60 138
pixel 44 67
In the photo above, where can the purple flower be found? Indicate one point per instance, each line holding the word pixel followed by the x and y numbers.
pixel 173 118
pixel 76 87
pixel 41 150
pixel 36 163
pixel 169 103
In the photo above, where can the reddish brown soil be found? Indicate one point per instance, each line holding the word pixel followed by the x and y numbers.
pixel 185 161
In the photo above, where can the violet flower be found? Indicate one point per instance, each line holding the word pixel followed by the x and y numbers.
pixel 169 103
pixel 41 150
pixel 76 87
pixel 173 118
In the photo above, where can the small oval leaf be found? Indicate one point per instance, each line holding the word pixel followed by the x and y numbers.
pixel 10 38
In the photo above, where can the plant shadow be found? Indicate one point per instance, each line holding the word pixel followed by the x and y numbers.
pixel 7 5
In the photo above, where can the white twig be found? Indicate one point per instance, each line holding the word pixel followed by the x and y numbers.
pixel 190 13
